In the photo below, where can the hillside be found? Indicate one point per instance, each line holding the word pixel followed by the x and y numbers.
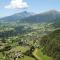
pixel 51 44
pixel 17 16
pixel 49 16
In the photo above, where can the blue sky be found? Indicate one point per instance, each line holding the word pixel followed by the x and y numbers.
pixel 36 6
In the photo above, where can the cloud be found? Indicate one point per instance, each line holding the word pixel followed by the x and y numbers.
pixel 17 4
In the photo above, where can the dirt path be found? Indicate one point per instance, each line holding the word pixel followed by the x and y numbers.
pixel 34 53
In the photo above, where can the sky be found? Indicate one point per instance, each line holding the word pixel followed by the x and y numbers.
pixel 9 7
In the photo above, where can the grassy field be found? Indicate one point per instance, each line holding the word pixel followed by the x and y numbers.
pixel 1 56
pixel 20 48
pixel 26 58
pixel 40 55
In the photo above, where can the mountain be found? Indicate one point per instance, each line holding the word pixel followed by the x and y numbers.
pixel 43 17
pixel 17 16
pixel 28 17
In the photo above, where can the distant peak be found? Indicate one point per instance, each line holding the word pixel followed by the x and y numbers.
pixel 24 12
pixel 53 11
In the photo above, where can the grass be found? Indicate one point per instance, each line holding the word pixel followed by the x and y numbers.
pixel 26 58
pixel 1 56
pixel 20 48
pixel 41 56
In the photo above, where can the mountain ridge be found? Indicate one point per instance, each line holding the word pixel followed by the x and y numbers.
pixel 17 16
pixel 28 17
pixel 43 17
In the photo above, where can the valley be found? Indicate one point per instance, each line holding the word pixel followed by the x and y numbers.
pixel 34 37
